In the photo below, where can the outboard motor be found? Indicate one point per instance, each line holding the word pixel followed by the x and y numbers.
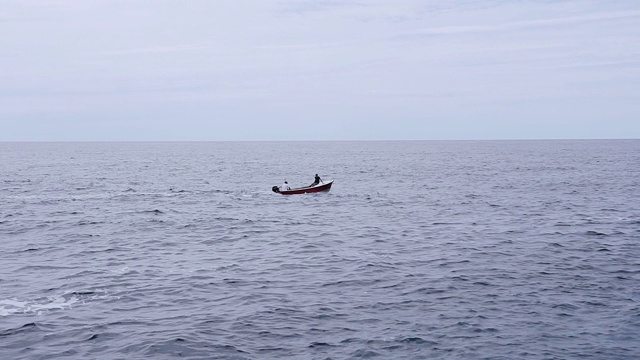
pixel 275 189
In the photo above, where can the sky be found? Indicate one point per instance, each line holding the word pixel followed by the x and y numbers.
pixel 221 70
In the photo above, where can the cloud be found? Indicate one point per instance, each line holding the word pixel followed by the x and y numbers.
pixel 159 50
pixel 315 6
pixel 516 25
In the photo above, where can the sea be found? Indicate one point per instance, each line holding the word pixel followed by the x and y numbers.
pixel 421 250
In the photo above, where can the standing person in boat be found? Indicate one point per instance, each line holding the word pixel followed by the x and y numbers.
pixel 285 186
pixel 316 181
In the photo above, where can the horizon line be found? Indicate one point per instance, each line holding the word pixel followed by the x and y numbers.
pixel 314 140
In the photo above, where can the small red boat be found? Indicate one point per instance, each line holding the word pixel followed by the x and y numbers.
pixel 325 186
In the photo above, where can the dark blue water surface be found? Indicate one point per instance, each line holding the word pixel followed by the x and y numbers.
pixel 422 250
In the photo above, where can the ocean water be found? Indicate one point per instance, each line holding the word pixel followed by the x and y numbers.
pixel 421 250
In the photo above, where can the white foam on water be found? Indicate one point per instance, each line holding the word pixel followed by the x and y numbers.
pixel 38 306
pixel 11 306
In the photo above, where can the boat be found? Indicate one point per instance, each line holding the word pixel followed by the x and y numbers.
pixel 324 186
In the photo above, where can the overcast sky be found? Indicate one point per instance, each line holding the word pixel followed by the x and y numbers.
pixel 319 70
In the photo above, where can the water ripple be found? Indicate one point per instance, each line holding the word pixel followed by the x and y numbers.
pixel 450 250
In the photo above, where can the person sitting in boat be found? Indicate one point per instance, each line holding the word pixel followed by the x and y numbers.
pixel 316 181
pixel 285 186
